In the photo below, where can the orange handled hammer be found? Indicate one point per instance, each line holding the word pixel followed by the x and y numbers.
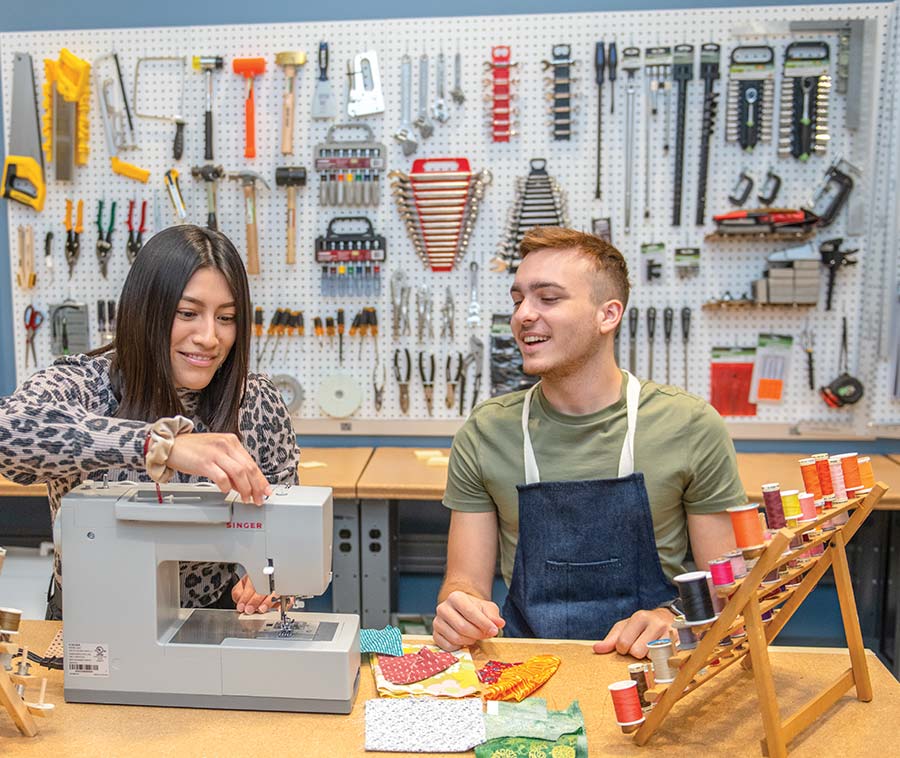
pixel 249 68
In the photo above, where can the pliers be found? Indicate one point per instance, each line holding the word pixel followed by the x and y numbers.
pixel 379 391
pixel 427 381
pixel 135 238
pixel 73 234
pixel 452 378
pixel 403 378
pixel 104 242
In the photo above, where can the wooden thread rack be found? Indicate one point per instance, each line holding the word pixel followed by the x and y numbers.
pixel 749 600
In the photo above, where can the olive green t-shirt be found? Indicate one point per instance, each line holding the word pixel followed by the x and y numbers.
pixel 681 446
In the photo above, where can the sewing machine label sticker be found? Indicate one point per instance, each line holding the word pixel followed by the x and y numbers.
pixel 87 659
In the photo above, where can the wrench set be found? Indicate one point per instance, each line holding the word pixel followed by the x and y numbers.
pixel 805 90
pixel 751 93
pixel 438 201
pixel 560 94
pixel 500 94
pixel 540 201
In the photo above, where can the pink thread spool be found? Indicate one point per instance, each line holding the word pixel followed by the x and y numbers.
pixel 772 503
pixel 807 505
pixel 738 566
pixel 837 479
pixel 627 704
pixel 722 572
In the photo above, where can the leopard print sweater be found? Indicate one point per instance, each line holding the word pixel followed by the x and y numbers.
pixel 58 428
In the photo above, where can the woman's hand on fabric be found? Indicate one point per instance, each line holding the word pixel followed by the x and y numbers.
pixel 464 619
pixel 248 600
pixel 630 636
pixel 222 459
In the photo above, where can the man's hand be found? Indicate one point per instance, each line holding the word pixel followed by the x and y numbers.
pixel 463 619
pixel 223 460
pixel 248 600
pixel 630 636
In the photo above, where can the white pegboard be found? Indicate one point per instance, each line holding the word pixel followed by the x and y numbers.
pixel 730 266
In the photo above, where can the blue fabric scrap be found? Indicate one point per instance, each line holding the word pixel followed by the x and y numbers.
pixel 386 641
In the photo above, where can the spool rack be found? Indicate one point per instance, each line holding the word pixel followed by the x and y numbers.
pixel 750 599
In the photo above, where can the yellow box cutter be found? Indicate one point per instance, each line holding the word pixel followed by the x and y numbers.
pixel 23 169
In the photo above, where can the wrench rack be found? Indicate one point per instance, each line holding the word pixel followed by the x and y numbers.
pixel 866 221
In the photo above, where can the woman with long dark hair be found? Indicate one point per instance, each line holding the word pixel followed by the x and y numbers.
pixel 170 400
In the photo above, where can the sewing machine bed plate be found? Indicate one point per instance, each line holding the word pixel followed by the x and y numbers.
pixel 207 626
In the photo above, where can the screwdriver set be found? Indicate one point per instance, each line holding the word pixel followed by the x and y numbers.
pixel 351 262
pixel 350 170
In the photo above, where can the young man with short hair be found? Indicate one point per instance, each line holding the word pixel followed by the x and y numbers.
pixel 591 482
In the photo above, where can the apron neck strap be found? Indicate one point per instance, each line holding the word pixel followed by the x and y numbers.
pixel 626 459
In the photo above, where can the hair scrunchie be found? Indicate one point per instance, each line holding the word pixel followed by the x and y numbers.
pixel 158 446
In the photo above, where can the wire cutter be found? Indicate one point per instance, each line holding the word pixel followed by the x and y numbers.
pixel 427 381
pixel 379 391
pixel 73 234
pixel 403 378
pixel 135 237
pixel 33 319
pixel 452 378
pixel 104 241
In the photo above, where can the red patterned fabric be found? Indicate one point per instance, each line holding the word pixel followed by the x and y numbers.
pixel 407 669
pixel 490 672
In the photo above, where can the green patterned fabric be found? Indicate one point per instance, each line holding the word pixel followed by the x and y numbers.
pixel 567 746
pixel 530 718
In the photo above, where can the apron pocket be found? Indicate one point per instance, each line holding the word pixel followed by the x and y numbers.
pixel 593 594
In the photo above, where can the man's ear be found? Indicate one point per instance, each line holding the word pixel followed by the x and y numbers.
pixel 609 315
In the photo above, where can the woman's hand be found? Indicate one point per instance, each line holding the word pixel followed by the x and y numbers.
pixel 248 600
pixel 223 460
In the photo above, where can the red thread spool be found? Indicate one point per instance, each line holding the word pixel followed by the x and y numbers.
pixel 627 704
pixel 807 505
pixel 824 472
pixel 722 572
pixel 810 476
pixel 772 502
pixel 850 467
pixel 745 523
pixel 866 475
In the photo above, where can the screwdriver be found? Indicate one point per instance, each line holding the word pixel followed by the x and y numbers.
pixel 668 319
pixel 273 326
pixel 317 327
pixel 372 320
pixel 329 329
pixel 612 62
pixel 340 331
pixel 685 336
pixel 599 65
pixel 258 331
pixel 301 327
pixel 651 333
pixel 632 339
pixel 280 328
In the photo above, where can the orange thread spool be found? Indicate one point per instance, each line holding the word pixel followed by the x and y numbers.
pixel 810 476
pixel 627 704
pixel 866 475
pixel 824 472
pixel 850 467
pixel 745 523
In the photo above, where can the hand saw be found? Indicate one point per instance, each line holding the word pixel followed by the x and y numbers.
pixel 23 169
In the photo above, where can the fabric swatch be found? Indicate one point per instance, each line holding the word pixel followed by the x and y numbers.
pixel 458 681
pixel 424 725
pixel 530 718
pixel 490 672
pixel 567 746
pixel 386 641
pixel 520 681
pixel 408 669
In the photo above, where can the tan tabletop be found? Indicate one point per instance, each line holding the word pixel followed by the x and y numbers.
pixel 335 467
pixel 405 473
pixel 720 719
pixel 756 469
pixel 11 489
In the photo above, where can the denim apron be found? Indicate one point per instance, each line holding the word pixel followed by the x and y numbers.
pixel 586 556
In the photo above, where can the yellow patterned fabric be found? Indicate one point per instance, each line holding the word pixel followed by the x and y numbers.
pixel 460 680
pixel 520 681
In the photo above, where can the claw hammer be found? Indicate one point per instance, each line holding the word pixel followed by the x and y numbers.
pixel 248 181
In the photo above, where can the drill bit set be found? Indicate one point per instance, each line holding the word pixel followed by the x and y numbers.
pixel 500 95
pixel 351 261
pixel 560 94
pixel 350 170
pixel 440 206
pixel 751 94
pixel 805 90
pixel 540 201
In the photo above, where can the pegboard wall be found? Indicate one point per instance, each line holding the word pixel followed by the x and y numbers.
pixel 724 266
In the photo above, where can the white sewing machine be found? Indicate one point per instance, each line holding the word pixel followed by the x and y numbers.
pixel 127 640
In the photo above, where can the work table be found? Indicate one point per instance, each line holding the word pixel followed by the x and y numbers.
pixel 719 719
